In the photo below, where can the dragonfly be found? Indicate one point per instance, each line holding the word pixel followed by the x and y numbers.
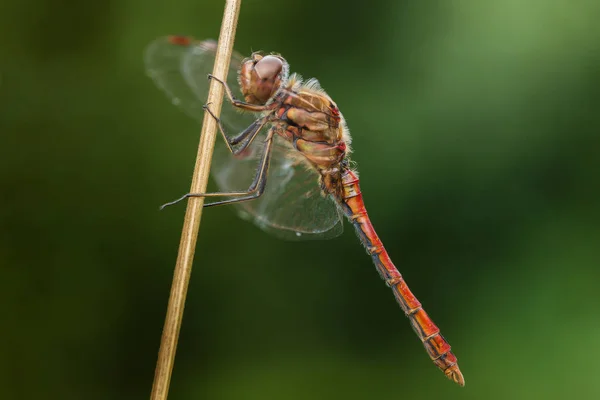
pixel 301 180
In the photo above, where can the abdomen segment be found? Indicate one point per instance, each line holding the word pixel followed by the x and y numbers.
pixel 435 344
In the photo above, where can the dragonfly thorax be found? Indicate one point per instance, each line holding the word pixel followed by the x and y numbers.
pixel 261 77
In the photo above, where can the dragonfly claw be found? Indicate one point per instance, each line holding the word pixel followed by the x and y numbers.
pixel 209 76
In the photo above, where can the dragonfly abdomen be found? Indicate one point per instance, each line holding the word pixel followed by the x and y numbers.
pixel 436 346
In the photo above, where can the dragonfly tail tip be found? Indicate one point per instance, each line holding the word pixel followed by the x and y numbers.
pixel 453 373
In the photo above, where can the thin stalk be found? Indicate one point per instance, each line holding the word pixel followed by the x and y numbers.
pixel 191 223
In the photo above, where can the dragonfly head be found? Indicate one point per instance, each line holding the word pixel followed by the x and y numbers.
pixel 261 77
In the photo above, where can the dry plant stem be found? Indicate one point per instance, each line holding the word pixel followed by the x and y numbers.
pixel 189 234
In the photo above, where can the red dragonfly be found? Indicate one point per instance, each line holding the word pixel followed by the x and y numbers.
pixel 302 182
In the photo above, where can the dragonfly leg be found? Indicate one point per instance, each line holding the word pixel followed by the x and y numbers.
pixel 246 137
pixel 255 190
pixel 238 103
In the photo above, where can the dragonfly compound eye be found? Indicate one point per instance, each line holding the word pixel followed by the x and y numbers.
pixel 268 68
pixel 261 77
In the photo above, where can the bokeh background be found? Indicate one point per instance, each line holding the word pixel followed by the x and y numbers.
pixel 475 130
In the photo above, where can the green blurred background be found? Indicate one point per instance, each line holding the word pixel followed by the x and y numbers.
pixel 475 129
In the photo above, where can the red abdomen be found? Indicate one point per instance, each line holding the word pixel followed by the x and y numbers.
pixel 437 347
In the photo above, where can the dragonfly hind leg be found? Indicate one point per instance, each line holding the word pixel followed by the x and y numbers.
pixel 255 190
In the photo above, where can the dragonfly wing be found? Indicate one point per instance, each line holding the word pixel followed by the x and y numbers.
pixel 179 65
pixel 292 206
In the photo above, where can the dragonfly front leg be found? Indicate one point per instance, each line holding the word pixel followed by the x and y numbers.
pixel 246 137
pixel 238 103
pixel 255 190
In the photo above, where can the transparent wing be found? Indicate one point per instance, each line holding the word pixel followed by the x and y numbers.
pixel 180 65
pixel 292 206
